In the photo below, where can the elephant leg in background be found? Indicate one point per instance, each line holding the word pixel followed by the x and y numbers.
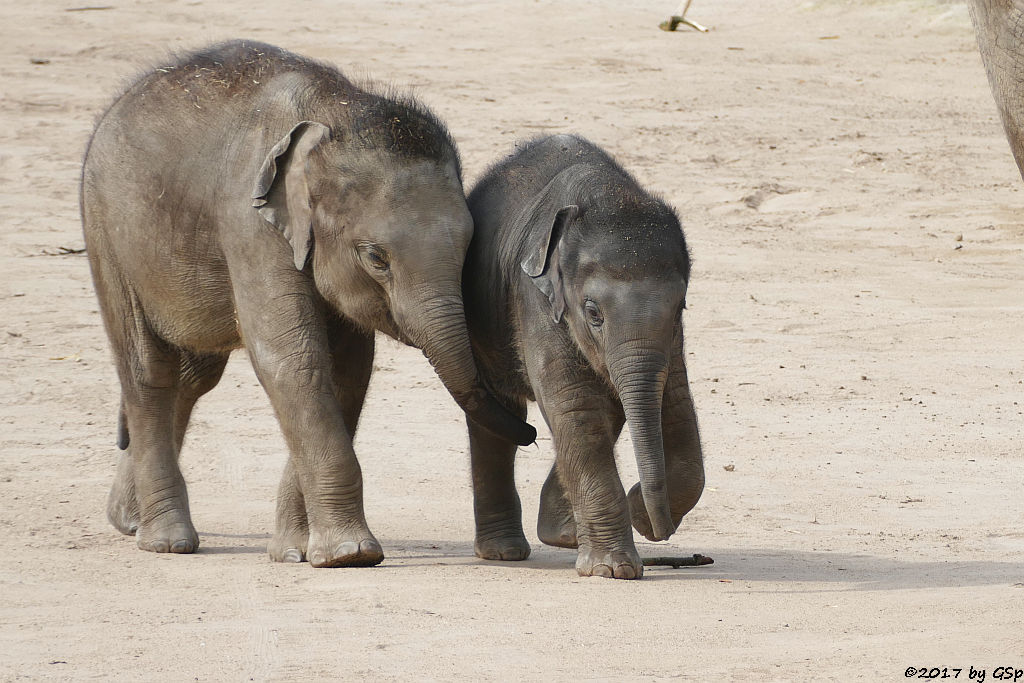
pixel 496 507
pixel 352 352
pixel 684 462
pixel 198 374
pixel 582 417
pixel 286 335
pixel 556 522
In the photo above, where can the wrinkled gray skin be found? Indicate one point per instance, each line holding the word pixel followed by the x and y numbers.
pixel 574 287
pixel 999 25
pixel 244 196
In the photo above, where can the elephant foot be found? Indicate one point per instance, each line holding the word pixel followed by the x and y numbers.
pixel 122 506
pixel 558 530
pixel 610 565
pixel 556 522
pixel 338 548
pixel 170 536
pixel 509 547
pixel 289 546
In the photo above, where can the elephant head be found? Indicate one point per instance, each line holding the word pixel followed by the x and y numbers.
pixel 613 264
pixel 385 234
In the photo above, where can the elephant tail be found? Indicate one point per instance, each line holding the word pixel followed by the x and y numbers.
pixel 122 428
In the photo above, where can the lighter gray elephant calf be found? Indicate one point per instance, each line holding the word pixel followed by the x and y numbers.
pixel 246 196
pixel 575 284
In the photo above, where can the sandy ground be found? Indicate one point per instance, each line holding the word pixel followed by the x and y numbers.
pixel 855 337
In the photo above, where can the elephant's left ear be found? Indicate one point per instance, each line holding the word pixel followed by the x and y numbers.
pixel 541 262
pixel 281 192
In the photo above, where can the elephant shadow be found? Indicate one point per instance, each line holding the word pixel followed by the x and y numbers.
pixel 762 570
pixel 755 569
pixel 244 544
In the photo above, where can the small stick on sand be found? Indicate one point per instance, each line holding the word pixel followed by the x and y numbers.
pixel 695 560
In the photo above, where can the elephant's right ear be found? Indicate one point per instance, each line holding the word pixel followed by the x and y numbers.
pixel 281 192
pixel 541 262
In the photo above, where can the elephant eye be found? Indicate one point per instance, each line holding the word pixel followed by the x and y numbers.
pixel 375 257
pixel 593 313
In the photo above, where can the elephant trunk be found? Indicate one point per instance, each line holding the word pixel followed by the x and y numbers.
pixel 440 331
pixel 639 378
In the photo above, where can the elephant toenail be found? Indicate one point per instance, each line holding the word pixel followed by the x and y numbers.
pixel 292 555
pixel 346 549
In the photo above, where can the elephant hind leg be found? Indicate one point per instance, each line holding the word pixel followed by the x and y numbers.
pixel 556 523
pixel 196 375
pixel 290 542
pixel 149 383
pixel 497 510
pixel 122 504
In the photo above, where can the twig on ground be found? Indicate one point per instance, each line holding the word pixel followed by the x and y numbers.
pixel 695 560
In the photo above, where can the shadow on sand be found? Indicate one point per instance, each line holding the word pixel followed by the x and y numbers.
pixel 749 566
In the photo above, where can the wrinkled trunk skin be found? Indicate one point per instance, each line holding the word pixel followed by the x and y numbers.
pixel 438 326
pixel 639 378
pixel 999 25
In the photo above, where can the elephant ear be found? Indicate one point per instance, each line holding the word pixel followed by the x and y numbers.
pixel 281 192
pixel 547 224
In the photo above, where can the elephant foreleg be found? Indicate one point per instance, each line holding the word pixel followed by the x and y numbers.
pixel 352 353
pixel 582 419
pixel 556 523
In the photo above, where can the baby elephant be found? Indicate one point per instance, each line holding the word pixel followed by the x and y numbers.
pixel 246 196
pixel 574 287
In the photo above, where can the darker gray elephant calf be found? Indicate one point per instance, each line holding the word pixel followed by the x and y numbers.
pixel 574 287
pixel 246 196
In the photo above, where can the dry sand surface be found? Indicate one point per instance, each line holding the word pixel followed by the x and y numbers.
pixel 855 337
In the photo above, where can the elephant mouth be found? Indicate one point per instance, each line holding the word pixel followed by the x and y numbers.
pixel 391 329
